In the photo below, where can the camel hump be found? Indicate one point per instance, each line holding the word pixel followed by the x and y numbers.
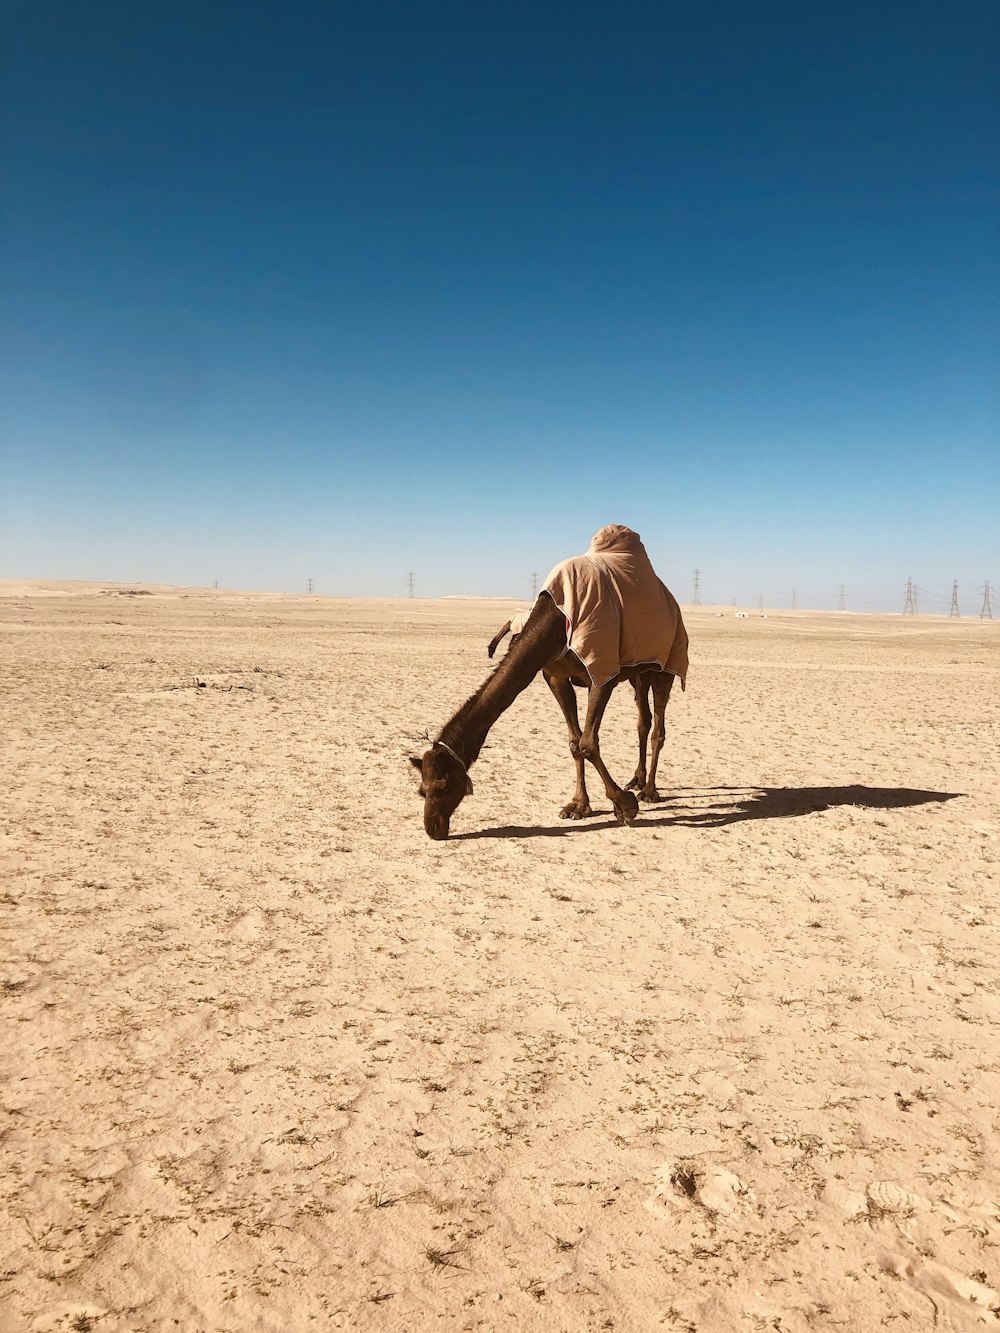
pixel 614 537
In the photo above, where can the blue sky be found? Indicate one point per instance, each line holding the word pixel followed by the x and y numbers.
pixel 345 291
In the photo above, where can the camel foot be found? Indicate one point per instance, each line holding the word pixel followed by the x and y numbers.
pixel 637 783
pixel 627 809
pixel 576 811
pixel 650 794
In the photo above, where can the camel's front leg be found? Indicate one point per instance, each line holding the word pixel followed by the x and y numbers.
pixel 641 686
pixel 579 806
pixel 662 685
pixel 626 806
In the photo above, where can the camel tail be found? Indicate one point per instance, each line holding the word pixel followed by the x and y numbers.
pixel 495 641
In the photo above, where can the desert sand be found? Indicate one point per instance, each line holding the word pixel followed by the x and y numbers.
pixel 272 1060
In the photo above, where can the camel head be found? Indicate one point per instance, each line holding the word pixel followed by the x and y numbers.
pixel 444 780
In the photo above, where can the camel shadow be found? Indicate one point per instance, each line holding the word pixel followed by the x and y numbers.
pixel 741 803
pixel 715 807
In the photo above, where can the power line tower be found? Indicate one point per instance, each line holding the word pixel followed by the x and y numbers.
pixel 696 592
pixel 987 612
pixel 793 599
pixel 411 584
pixel 954 611
pixel 842 599
pixel 534 586
pixel 215 584
pixel 309 585
pixel 910 605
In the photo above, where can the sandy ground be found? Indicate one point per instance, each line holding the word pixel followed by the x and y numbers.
pixel 273 1060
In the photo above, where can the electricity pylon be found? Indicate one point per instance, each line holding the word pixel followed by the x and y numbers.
pixel 842 599
pixel 987 612
pixel 411 584
pixel 696 593
pixel 954 611
pixel 910 606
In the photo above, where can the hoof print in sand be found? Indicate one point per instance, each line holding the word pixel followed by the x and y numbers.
pixel 936 1281
pixel 715 1189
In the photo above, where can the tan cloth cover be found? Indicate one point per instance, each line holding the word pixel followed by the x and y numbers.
pixel 619 614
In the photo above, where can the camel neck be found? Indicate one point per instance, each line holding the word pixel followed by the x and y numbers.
pixel 466 732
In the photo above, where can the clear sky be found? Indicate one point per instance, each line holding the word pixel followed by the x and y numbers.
pixel 345 291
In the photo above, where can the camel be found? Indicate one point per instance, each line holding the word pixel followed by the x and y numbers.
pixel 601 619
pixel 643 682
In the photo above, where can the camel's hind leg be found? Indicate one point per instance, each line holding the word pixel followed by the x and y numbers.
pixel 640 683
pixel 662 683
pixel 625 803
pixel 579 806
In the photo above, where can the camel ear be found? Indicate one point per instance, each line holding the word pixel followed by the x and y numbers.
pixel 468 785
pixel 417 763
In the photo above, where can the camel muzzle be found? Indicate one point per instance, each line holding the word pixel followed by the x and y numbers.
pixel 437 826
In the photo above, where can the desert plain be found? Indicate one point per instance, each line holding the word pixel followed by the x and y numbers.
pixel 273 1060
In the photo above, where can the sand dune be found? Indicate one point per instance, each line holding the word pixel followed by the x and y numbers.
pixel 273 1060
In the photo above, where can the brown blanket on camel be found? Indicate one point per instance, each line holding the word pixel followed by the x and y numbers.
pixel 619 615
